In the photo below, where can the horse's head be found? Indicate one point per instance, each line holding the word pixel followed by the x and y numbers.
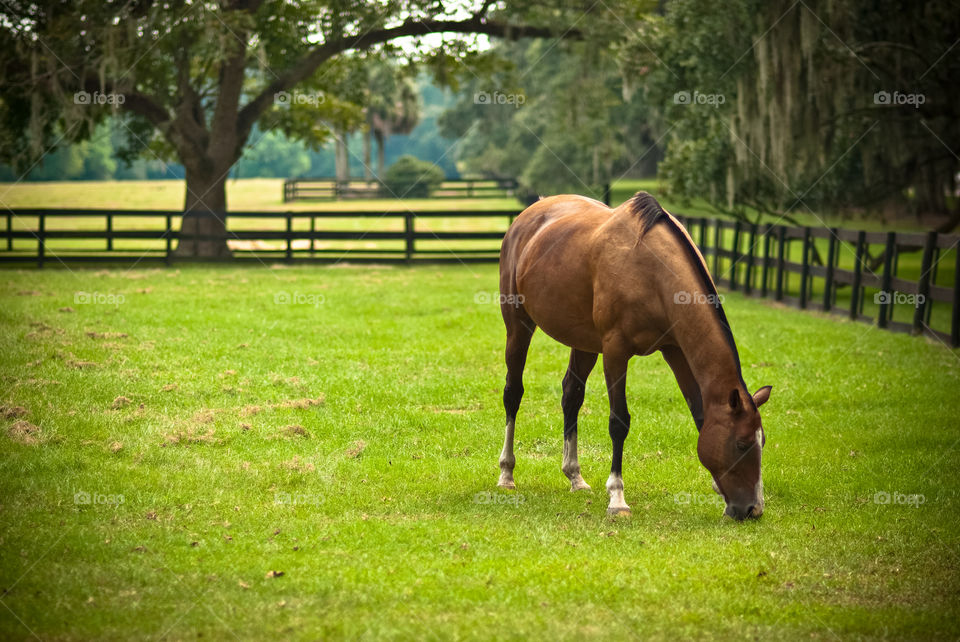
pixel 730 444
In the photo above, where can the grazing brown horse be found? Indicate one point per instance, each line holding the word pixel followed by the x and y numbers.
pixel 627 282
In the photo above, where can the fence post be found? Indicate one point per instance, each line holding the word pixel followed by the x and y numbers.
pixel 886 302
pixel 313 231
pixel 9 232
pixel 169 235
pixel 289 237
pixel 606 194
pixel 805 268
pixel 408 233
pixel 828 287
pixel 718 243
pixel 751 255
pixel 764 274
pixel 955 321
pixel 857 276
pixel 923 287
pixel 781 243
pixel 41 239
pixel 109 232
pixel 735 255
pixel 703 236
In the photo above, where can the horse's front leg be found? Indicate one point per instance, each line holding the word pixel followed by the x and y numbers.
pixel 615 371
pixel 574 386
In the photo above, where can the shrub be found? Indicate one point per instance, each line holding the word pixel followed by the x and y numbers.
pixel 410 177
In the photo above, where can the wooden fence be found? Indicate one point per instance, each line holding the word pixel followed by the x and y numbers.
pixel 823 269
pixel 328 189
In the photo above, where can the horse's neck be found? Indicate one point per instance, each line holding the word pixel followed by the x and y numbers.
pixel 711 356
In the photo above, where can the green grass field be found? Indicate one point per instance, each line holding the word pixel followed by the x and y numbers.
pixel 304 453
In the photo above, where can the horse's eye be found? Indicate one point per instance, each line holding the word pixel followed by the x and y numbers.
pixel 743 446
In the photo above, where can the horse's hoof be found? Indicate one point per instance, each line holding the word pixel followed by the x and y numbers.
pixel 619 511
pixel 579 485
pixel 506 483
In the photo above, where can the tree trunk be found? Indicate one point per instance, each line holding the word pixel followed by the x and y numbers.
pixel 367 145
pixel 381 143
pixel 342 159
pixel 203 230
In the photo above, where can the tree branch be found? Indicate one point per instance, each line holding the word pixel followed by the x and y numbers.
pixel 133 101
pixel 302 70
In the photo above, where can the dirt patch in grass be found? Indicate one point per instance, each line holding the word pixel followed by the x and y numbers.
pixel 24 432
pixel 41 331
pixel 190 436
pixel 357 449
pixel 301 403
pixel 121 402
pixel 203 417
pixel 107 335
pixel 71 360
pixel 298 465
pixel 296 431
pixel 12 412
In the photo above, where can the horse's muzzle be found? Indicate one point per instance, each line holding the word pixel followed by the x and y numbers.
pixel 741 513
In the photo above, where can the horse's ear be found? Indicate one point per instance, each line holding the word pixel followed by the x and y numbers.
pixel 735 403
pixel 760 396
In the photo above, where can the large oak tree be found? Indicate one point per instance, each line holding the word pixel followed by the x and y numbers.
pixel 190 80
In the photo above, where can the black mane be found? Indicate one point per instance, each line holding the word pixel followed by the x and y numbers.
pixel 646 208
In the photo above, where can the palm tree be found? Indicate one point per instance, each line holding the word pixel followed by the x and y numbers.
pixel 393 107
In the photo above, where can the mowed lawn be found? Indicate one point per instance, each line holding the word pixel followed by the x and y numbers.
pixel 304 453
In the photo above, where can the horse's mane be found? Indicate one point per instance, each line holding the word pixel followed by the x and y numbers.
pixel 648 212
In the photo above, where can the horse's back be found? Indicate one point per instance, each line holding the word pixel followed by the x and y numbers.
pixel 545 261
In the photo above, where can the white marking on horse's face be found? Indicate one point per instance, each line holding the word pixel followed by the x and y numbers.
pixel 759 489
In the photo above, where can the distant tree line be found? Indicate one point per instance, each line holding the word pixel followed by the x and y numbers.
pixel 757 107
pixel 271 154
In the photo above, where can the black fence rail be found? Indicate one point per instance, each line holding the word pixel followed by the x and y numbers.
pixel 838 271
pixel 328 189
pixel 292 236
pixel 803 267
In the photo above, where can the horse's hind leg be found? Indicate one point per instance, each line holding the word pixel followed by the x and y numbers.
pixel 574 385
pixel 520 329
